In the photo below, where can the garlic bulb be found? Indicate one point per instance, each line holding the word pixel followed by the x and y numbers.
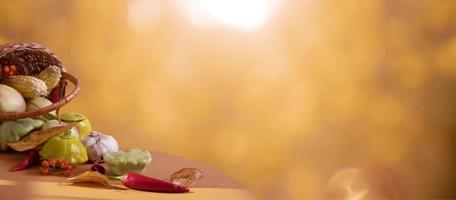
pixel 98 144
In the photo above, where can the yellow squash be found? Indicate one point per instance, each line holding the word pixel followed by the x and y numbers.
pixel 65 147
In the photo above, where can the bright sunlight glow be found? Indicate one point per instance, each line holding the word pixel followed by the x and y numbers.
pixel 243 14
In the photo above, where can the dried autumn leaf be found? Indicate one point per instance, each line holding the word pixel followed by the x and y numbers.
pixel 89 177
pixel 186 176
pixel 36 138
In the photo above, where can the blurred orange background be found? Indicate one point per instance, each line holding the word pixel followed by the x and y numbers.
pixel 277 94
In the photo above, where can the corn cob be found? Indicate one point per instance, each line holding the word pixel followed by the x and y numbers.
pixel 28 86
pixel 51 76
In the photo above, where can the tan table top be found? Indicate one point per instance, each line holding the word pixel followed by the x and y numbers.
pixel 29 184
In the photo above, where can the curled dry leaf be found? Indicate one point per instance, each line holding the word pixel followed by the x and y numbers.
pixel 36 138
pixel 186 176
pixel 89 177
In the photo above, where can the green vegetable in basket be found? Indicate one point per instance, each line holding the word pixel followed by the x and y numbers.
pixel 65 147
pixel 124 161
pixel 11 100
pixel 38 103
pixel 13 131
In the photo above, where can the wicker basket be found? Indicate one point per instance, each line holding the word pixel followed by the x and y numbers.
pixel 31 59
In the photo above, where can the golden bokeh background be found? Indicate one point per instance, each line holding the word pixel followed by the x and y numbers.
pixel 279 95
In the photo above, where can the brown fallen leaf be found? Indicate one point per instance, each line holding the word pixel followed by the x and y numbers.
pixel 36 138
pixel 89 177
pixel 186 176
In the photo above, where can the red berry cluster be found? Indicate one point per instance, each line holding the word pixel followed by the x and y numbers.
pixel 52 166
pixel 8 70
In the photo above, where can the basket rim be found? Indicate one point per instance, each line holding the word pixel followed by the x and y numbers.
pixel 9 47
pixel 49 108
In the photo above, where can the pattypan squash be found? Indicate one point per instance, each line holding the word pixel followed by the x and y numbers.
pixel 123 161
pixel 12 131
pixel 65 147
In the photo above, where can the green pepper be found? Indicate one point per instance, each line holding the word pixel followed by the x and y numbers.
pixel 65 147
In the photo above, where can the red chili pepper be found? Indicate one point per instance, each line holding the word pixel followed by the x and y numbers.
pixel 33 157
pixel 58 92
pixel 55 94
pixel 139 182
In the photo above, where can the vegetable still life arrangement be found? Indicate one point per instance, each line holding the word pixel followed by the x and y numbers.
pixel 31 94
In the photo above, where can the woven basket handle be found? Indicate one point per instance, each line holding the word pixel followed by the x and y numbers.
pixel 52 107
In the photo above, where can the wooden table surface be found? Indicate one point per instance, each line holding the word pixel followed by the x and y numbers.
pixel 29 184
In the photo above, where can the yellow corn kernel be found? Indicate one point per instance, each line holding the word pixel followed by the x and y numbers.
pixel 51 76
pixel 28 86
